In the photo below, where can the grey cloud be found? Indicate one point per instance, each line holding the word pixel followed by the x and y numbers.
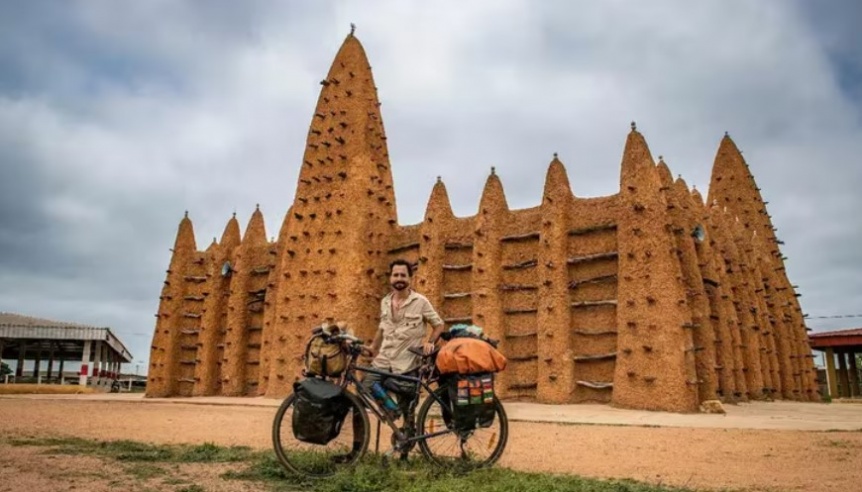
pixel 133 114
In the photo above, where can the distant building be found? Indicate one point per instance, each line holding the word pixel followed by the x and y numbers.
pixel 844 346
pixel 47 342
pixel 650 298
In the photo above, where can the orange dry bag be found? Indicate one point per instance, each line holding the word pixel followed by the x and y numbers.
pixel 466 355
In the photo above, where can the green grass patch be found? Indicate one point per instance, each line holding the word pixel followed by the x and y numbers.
pixel 145 471
pixel 133 451
pixel 370 475
pixel 191 488
pixel 416 475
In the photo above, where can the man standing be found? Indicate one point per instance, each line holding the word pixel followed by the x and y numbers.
pixel 404 314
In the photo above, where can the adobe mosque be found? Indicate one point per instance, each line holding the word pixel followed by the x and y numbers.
pixel 652 298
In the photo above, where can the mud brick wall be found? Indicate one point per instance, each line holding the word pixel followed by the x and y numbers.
pixel 656 370
pixel 610 299
pixel 487 270
pixel 722 314
pixel 245 307
pixel 554 350
pixel 214 320
pixel 177 319
pixel 702 339
pixel 732 187
pixel 268 352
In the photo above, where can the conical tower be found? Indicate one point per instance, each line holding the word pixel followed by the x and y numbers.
pixel 433 231
pixel 733 187
pixel 221 259
pixel 267 352
pixel 487 276
pixel 245 311
pixel 344 209
pixel 172 319
pixel 656 370
pixel 555 367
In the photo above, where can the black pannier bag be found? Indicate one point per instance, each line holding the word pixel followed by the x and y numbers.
pixel 472 400
pixel 319 410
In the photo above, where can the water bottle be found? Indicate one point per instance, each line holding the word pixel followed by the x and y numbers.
pixel 383 397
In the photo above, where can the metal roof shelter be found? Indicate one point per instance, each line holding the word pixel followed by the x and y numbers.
pixel 25 338
pixel 846 345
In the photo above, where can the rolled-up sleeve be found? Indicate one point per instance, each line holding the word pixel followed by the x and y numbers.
pixel 430 315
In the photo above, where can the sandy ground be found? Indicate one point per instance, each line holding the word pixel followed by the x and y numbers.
pixel 784 415
pixel 30 469
pixel 704 458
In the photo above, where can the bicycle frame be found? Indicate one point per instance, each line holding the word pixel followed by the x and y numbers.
pixel 371 402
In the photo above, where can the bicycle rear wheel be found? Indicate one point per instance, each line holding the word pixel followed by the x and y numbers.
pixel 478 448
pixel 320 460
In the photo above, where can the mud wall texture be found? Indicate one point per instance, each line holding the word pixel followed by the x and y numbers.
pixel 651 298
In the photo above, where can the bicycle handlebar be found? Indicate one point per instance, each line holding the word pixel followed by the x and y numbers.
pixel 346 337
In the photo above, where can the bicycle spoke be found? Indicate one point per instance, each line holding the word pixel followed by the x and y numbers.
pixel 318 460
pixel 475 448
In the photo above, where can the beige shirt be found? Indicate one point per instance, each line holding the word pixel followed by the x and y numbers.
pixel 404 329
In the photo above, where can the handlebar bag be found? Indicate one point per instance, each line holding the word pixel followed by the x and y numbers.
pixel 323 358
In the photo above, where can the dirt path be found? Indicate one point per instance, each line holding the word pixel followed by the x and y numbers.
pixel 700 458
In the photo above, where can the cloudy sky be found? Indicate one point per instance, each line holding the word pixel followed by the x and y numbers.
pixel 115 117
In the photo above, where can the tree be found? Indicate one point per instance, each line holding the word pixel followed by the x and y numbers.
pixel 4 369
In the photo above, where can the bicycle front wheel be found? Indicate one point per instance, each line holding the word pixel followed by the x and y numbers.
pixel 320 460
pixel 477 448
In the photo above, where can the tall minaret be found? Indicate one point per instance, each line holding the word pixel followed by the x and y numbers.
pixel 335 256
pixel 656 370
pixel 208 370
pixel 733 187
pixel 165 350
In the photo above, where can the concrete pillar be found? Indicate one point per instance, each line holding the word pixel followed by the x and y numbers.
pixel 106 357
pixel 842 374
pixel 62 376
pixel 85 364
pixel 854 374
pixel 19 369
pixel 50 370
pixel 106 366
pixel 831 376
pixel 36 365
pixel 97 361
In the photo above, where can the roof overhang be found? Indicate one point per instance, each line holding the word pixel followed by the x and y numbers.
pixel 824 342
pixel 67 333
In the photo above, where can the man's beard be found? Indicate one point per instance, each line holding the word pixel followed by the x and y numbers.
pixel 399 285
